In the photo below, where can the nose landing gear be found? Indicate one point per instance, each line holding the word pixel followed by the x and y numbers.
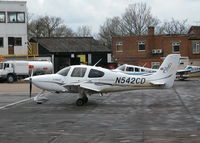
pixel 40 98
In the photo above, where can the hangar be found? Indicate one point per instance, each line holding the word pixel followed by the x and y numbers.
pixel 65 51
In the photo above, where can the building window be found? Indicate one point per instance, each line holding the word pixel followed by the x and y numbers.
pixel 16 17
pixel 196 47
pixel 175 47
pixel 2 17
pixel 1 42
pixel 119 46
pixel 20 17
pixel 18 41
pixel 155 65
pixel 141 46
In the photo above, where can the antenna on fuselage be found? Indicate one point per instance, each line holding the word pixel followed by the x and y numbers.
pixel 144 64
pixel 97 62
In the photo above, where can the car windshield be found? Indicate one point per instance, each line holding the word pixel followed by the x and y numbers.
pixel 64 71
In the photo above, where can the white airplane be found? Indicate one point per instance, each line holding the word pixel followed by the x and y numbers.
pixel 189 69
pixel 134 70
pixel 87 80
pixel 181 74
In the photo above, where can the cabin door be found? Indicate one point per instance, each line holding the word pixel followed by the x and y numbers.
pixel 11 43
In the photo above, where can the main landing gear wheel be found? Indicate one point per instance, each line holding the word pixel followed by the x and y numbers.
pixel 80 102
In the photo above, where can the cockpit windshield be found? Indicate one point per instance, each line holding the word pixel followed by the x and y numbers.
pixel 121 68
pixel 64 71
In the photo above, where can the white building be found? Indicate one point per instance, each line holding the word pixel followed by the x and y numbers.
pixel 13 28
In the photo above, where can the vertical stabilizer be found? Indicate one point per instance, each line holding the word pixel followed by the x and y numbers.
pixel 166 74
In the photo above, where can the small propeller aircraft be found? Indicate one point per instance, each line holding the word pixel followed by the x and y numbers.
pixel 134 70
pixel 87 80
pixel 189 69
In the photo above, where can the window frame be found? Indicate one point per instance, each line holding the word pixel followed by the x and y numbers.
pixel 4 17
pixel 119 44
pixel 17 38
pixel 17 20
pixel 196 49
pixel 141 43
pixel 176 44
pixel 2 42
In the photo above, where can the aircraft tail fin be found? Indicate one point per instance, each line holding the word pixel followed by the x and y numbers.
pixel 166 74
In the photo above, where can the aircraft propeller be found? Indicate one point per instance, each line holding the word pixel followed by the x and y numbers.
pixel 30 87
pixel 30 84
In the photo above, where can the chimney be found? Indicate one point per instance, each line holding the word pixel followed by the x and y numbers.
pixel 151 30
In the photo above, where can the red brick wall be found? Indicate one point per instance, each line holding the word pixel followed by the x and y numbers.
pixel 131 55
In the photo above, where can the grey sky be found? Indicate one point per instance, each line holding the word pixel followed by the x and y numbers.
pixel 94 12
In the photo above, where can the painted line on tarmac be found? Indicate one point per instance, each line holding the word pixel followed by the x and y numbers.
pixel 15 103
pixel 17 93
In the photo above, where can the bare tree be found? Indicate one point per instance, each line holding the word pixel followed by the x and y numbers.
pixel 111 28
pixel 84 31
pixel 50 24
pixel 135 21
pixel 63 31
pixel 173 27
pixel 35 29
pixel 137 18
pixel 48 27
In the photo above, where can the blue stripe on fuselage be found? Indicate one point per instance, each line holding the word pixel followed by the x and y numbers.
pixel 134 73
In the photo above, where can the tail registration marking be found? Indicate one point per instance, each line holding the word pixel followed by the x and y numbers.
pixel 129 80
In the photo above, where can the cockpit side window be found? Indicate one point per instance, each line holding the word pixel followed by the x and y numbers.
pixel 189 68
pixel 95 73
pixel 78 72
pixel 137 70
pixel 131 69
pixel 64 71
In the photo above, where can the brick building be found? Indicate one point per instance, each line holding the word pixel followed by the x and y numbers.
pixel 150 49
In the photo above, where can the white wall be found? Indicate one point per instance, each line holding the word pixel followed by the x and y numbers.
pixel 13 29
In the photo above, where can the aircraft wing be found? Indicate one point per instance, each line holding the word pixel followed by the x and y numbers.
pixel 184 71
pixel 91 86
pixel 96 87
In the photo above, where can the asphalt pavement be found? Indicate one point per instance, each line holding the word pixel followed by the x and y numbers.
pixel 140 116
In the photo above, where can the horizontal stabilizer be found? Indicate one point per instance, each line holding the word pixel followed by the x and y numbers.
pixel 158 83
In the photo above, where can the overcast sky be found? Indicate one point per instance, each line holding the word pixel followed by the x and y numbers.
pixel 94 12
